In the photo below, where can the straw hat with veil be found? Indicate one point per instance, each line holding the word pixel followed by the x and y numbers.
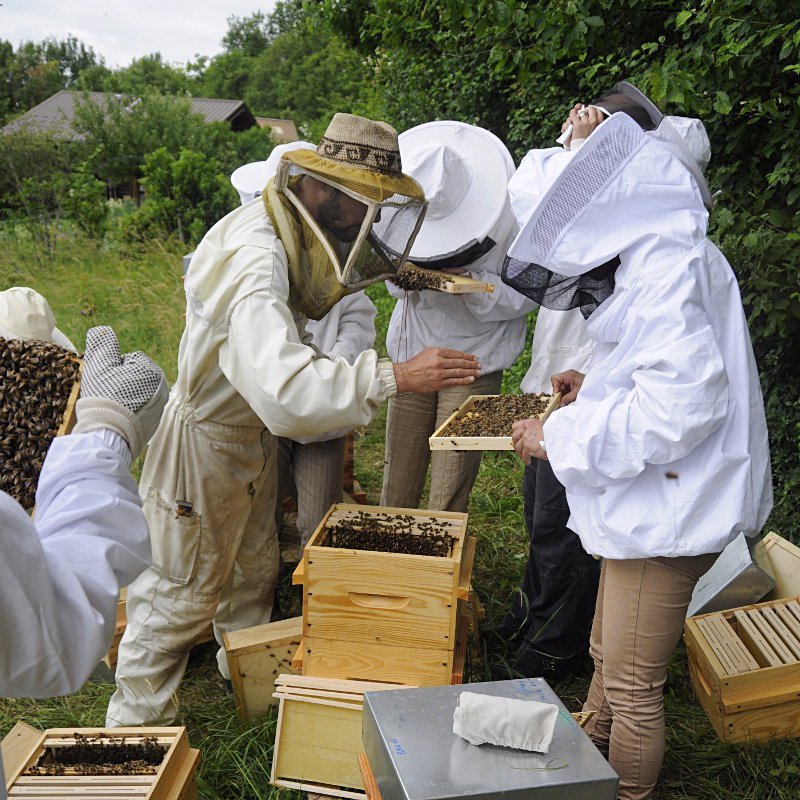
pixel 359 158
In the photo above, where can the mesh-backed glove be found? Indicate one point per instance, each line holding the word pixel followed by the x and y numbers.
pixel 125 393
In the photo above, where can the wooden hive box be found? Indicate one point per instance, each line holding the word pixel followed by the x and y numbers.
pixel 173 780
pixel 441 440
pixel 318 738
pixel 744 665
pixel 256 657
pixel 781 559
pixel 385 663
pixel 383 616
pixel 110 658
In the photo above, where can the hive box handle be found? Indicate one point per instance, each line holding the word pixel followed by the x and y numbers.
pixel 377 600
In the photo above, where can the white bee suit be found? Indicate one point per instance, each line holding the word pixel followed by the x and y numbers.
pixel 245 376
pixel 665 451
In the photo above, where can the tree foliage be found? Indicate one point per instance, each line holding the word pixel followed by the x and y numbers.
pixel 516 67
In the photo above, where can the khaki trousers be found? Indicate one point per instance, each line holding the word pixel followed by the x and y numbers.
pixel 411 419
pixel 227 475
pixel 641 608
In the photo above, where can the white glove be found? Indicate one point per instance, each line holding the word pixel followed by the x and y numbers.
pixel 123 393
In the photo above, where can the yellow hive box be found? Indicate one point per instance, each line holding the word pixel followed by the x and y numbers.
pixel 318 738
pixel 744 666
pixel 256 657
pixel 174 779
pixel 383 616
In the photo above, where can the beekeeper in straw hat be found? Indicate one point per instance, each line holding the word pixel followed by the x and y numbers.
pixel 464 170
pixel 311 467
pixel 332 221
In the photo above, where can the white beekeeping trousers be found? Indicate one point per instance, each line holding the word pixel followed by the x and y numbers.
pixel 228 475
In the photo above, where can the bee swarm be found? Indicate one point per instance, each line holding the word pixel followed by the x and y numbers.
pixel 35 383
pixel 389 533
pixel 409 278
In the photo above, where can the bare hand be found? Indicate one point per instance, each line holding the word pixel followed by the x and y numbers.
pixel 434 369
pixel 584 120
pixel 525 436
pixel 575 109
pixel 569 384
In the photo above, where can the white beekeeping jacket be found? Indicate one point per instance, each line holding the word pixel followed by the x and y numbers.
pixel 665 451
pixel 60 574
pixel 346 331
pixel 490 325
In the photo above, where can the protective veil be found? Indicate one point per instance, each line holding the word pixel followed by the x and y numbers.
pixel 323 269
pixel 665 451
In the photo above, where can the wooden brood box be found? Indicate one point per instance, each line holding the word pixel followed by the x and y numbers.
pixel 174 779
pixel 318 738
pixel 744 666
pixel 383 616
pixel 256 657
pixel 442 441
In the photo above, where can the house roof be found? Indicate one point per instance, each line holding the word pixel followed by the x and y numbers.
pixel 56 114
pixel 284 130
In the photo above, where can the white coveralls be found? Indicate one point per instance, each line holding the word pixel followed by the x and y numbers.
pixel 490 325
pixel 60 574
pixel 315 463
pixel 245 376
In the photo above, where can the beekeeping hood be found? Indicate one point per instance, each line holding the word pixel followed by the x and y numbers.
pixel 360 158
pixel 464 170
pixel 587 209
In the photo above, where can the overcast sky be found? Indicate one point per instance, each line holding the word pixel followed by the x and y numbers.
pixel 121 30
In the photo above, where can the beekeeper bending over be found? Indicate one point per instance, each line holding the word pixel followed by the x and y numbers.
pixel 464 170
pixel 331 221
pixel 60 573
pixel 312 466
pixel 663 452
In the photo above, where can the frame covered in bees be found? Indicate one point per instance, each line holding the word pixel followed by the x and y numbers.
pixel 483 421
pixel 84 763
pixel 39 385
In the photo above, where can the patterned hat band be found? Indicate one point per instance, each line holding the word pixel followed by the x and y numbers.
pixel 365 156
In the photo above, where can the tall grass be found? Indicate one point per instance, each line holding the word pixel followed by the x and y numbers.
pixel 139 293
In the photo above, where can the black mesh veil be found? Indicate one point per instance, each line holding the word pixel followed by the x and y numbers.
pixel 562 292
pixel 587 174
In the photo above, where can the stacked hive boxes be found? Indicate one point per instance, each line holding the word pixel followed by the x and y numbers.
pixel 386 616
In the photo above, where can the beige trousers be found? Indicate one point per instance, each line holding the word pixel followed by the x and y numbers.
pixel 222 479
pixel 410 420
pixel 641 608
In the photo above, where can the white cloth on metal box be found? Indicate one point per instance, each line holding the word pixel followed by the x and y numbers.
pixel 522 724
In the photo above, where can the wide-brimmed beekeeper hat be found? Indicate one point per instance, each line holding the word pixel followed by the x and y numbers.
pixel 360 158
pixel 464 171
pixel 250 179
pixel 25 314
pixel 360 154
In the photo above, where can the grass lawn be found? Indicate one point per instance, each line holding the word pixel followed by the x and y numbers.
pixel 140 294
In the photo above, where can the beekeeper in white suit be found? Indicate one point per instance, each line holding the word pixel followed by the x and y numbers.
pixel 332 221
pixel 314 464
pixel 464 170
pixel 664 451
pixel 60 574
pixel 25 314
